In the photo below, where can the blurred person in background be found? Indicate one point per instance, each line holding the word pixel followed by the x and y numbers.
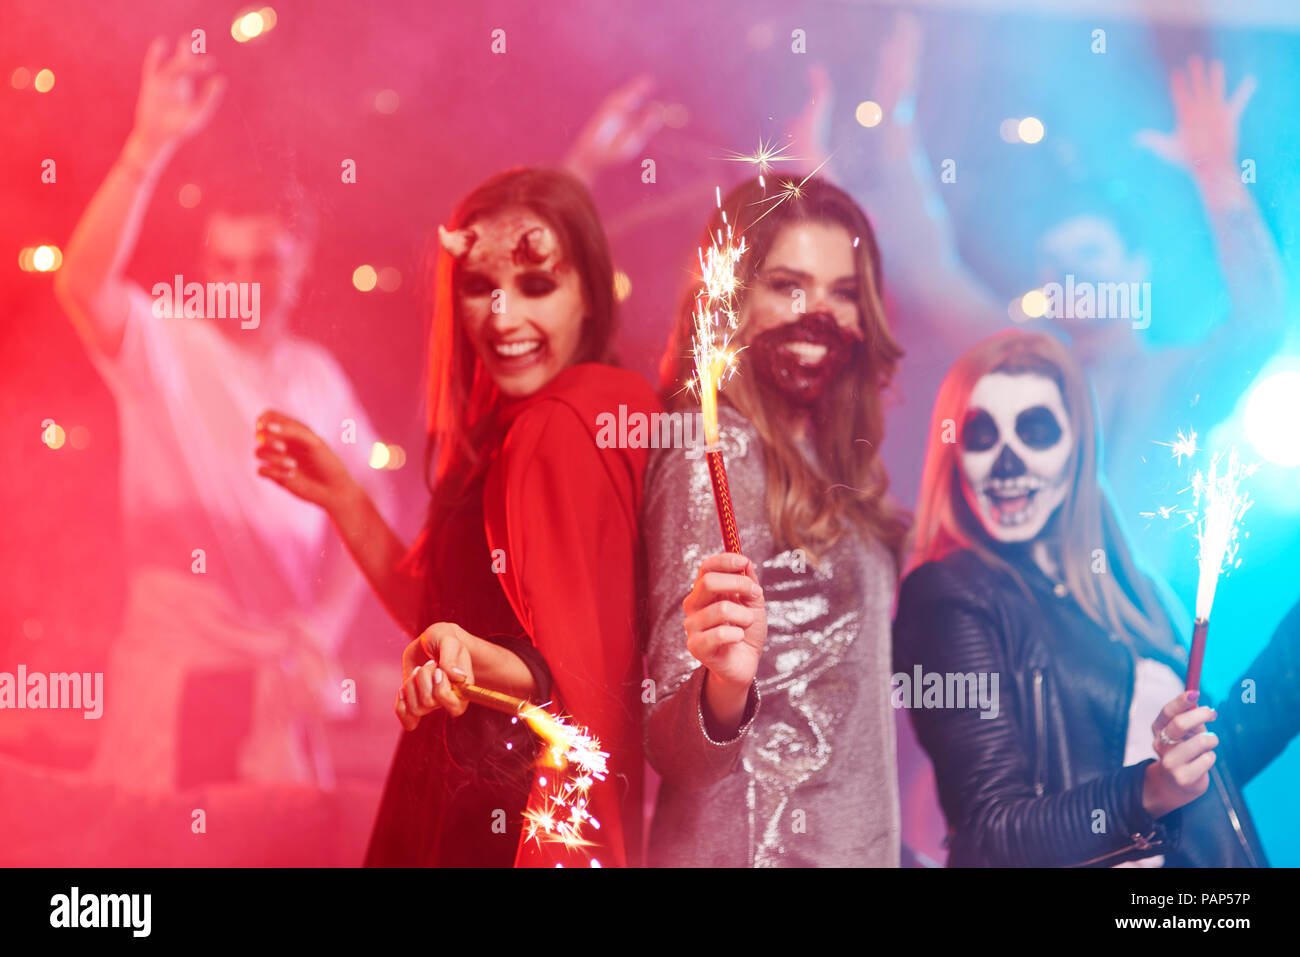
pixel 238 599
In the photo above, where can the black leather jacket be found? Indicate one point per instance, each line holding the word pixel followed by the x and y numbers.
pixel 1043 783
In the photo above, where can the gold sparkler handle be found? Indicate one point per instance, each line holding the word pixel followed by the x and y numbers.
pixel 492 699
pixel 1199 632
pixel 722 498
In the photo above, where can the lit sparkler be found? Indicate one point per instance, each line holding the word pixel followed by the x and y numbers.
pixel 763 157
pixel 562 816
pixel 716 318
pixel 789 190
pixel 1184 446
pixel 1219 505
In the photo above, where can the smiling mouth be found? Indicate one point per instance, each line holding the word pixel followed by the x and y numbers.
pixel 1011 500
pixel 517 353
pixel 807 353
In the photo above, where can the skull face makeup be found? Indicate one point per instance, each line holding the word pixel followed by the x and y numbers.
pixel 1016 443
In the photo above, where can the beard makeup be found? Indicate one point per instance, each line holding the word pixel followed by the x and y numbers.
pixel 800 359
pixel 1015 447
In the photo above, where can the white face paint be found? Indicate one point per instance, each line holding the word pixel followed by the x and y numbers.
pixel 1016 443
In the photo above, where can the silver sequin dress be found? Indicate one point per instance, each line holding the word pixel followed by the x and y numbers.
pixel 811 777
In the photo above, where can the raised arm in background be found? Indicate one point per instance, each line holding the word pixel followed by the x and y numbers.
pixel 177 98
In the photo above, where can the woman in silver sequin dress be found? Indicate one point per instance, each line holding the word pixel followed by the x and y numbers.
pixel 770 721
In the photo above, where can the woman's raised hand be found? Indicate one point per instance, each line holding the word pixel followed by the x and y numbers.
pixel 1185 754
pixel 296 458
pixel 430 665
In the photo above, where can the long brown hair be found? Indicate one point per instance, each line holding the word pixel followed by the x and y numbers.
pixel 808 507
pixel 462 396
pixel 1116 597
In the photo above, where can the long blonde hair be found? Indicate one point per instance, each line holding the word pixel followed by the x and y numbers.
pixel 1118 597
pixel 808 508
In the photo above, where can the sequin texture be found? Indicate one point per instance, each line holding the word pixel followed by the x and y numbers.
pixel 811 779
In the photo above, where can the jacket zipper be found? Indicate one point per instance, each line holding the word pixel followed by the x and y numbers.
pixel 1040 733
pixel 1232 816
pixel 1139 841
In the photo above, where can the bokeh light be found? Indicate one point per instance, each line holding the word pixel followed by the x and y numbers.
pixel 53 435
pixel 1033 304
pixel 246 27
pixel 869 113
pixel 1030 129
pixel 387 455
pixel 254 23
pixel 47 258
pixel 365 278
pixel 44 81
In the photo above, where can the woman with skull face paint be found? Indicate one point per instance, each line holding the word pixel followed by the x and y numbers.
pixel 770 721
pixel 1090 752
pixel 523 579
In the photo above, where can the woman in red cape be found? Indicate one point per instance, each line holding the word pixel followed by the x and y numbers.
pixel 524 578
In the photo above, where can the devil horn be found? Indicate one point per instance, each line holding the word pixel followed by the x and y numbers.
pixel 457 242
pixel 537 244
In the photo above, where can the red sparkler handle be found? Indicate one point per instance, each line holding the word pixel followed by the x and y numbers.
pixel 722 498
pixel 1199 631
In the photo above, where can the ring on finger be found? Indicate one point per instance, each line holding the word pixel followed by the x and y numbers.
pixel 1164 739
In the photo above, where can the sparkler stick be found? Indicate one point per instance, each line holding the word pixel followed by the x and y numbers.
pixel 562 817
pixel 1200 629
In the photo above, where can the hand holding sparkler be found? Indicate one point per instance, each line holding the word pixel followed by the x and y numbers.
pixel 430 665
pixel 1185 754
pixel 438 673
pixel 726 629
